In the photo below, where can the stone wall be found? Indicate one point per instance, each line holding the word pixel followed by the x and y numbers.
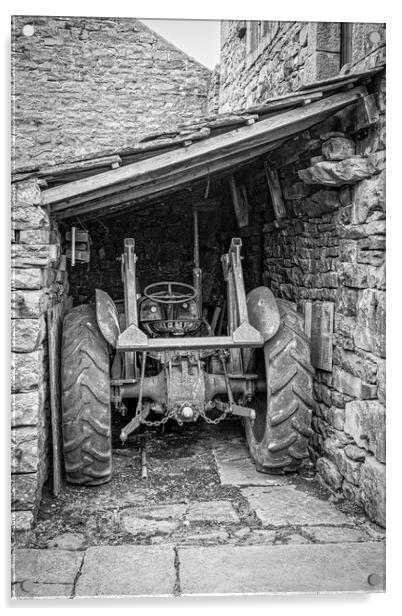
pixel 37 282
pixel 163 232
pixel 214 90
pixel 331 247
pixel 260 60
pixel 86 84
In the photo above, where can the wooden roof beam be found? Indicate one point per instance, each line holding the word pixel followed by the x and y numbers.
pixel 233 142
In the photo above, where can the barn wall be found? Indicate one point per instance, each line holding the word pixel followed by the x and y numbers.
pixel 286 56
pixel 38 281
pixel 86 84
pixel 330 247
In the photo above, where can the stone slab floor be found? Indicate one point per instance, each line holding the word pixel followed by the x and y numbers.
pixel 204 522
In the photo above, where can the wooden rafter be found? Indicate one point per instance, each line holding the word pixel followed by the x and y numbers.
pixel 200 157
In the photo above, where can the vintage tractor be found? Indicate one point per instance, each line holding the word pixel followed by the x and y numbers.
pixel 163 354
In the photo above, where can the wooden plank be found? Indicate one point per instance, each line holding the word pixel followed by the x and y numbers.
pixel 240 203
pixel 60 169
pixel 162 185
pixel 366 113
pixel 322 327
pixel 307 305
pixel 342 79
pixel 278 104
pixel 272 129
pixel 153 170
pixel 82 256
pixel 275 191
pixel 80 235
pixel 54 328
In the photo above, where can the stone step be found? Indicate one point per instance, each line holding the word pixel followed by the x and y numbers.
pixel 127 571
pixel 348 567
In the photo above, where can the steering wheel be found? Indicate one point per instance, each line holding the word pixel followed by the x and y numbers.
pixel 170 292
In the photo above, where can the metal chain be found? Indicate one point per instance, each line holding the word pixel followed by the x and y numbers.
pixel 171 414
pixel 218 419
pixel 158 422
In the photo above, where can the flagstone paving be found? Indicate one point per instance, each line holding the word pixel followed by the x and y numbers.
pixel 283 506
pixel 204 522
pixel 280 569
pixel 236 468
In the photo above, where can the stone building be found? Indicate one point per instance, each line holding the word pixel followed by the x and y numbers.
pixel 302 116
pixel 83 85
pixel 330 245
pixel 79 86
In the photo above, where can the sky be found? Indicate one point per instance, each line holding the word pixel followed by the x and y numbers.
pixel 198 38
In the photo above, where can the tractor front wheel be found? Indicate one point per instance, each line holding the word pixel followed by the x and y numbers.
pixel 279 436
pixel 86 420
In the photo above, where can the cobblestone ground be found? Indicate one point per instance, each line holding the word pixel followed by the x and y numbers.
pixel 203 522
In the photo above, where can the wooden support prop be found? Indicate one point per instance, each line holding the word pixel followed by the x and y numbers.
pixel 54 326
pixel 322 327
pixel 275 191
pixel 307 311
pixel 73 229
pixel 240 203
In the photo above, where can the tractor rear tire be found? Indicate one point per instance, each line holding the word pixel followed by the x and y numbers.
pixel 278 439
pixel 86 416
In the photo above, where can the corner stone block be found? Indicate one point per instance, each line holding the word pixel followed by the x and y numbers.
pixel 27 278
pixel 26 370
pixel 35 236
pixel 32 255
pixel 25 408
pixel 372 482
pixel 336 173
pixel 365 422
pixel 29 217
pixel 369 334
pixel 21 520
pixel 24 450
pixel 28 304
pixel 25 193
pixel 24 491
pixel 27 334
pixel 324 36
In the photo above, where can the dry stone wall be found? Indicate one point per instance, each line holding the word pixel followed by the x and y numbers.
pixel 86 84
pixel 38 281
pixel 163 233
pixel 331 247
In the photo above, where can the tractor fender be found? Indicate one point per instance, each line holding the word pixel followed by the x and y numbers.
pixel 263 312
pixel 107 317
